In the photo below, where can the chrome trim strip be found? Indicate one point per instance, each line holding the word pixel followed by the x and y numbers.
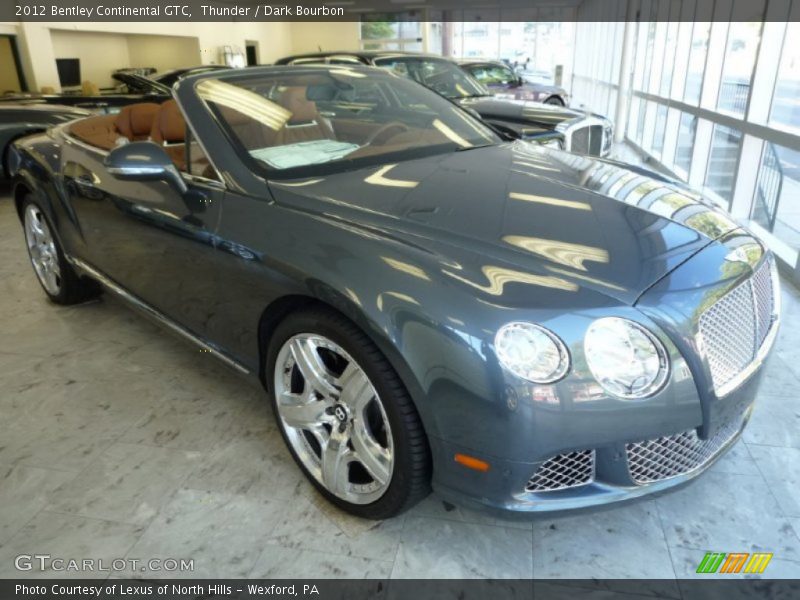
pixel 154 313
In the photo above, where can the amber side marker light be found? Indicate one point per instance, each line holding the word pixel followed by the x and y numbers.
pixel 471 462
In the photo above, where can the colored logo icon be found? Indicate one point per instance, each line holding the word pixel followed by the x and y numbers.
pixel 734 562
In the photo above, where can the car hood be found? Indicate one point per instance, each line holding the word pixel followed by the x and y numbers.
pixel 520 111
pixel 592 222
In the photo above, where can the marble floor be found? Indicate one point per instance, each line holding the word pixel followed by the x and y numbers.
pixel 118 440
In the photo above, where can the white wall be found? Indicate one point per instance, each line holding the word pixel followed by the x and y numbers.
pixel 100 53
pixel 311 36
pixel 161 52
pixel 38 53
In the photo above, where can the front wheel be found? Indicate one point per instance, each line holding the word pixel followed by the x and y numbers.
pixel 346 416
pixel 55 274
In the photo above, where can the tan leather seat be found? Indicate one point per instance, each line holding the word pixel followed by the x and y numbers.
pixel 305 124
pixel 169 130
pixel 89 88
pixel 100 131
pixel 135 121
pixel 250 133
pixel 132 123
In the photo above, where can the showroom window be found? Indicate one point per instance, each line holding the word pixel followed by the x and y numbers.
pixel 661 125
pixel 394 33
pixel 740 59
pixel 723 162
pixel 697 63
pixel 776 207
pixel 785 111
pixel 685 144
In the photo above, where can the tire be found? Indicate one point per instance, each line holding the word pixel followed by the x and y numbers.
pixel 386 426
pixel 56 276
pixel 555 101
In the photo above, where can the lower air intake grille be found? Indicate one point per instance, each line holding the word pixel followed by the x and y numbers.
pixel 563 471
pixel 673 455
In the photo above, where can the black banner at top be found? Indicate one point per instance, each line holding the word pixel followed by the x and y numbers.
pixel 88 11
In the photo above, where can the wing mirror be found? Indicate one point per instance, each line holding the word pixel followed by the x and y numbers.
pixel 144 161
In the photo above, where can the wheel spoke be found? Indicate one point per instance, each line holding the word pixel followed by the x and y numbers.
pixel 335 463
pixel 357 391
pixel 311 366
pixel 303 415
pixel 376 459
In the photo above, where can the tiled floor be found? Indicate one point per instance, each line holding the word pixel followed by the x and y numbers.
pixel 120 441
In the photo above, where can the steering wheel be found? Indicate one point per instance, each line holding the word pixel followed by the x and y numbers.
pixel 386 132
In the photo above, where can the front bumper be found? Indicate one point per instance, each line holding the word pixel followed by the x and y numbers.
pixel 503 487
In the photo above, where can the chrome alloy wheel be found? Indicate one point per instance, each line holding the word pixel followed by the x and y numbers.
pixel 42 250
pixel 333 418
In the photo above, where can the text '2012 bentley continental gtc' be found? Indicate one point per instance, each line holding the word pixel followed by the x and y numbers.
pixel 426 304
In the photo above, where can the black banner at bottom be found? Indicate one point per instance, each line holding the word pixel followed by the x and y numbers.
pixel 415 589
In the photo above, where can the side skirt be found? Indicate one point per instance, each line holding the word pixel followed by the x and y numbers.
pixel 155 314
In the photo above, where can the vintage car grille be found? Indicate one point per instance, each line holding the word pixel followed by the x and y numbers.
pixel 735 327
pixel 587 140
pixel 563 471
pixel 672 455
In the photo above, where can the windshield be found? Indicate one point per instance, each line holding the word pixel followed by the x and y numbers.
pixel 492 74
pixel 442 76
pixel 339 116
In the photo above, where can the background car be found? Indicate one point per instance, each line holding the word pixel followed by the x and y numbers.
pixel 583 133
pixel 133 88
pixel 169 78
pixel 503 81
pixel 18 119
pixel 523 328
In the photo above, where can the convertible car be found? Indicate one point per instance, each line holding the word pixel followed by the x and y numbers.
pixel 132 88
pixel 504 82
pixel 581 132
pixel 522 328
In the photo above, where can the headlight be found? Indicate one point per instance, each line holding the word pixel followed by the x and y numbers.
pixel 625 358
pixel 531 352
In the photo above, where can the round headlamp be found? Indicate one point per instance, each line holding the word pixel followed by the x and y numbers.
pixel 531 352
pixel 625 358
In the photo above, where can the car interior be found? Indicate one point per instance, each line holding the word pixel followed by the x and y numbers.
pixel 313 120
pixel 161 123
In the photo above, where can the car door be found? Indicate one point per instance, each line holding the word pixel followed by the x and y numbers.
pixel 145 235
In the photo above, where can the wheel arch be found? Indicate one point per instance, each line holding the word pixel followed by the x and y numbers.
pixel 280 308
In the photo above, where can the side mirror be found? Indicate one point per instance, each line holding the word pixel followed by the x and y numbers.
pixel 144 161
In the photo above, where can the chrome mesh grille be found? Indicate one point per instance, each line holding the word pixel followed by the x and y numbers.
pixel 734 328
pixel 672 455
pixel 587 140
pixel 563 471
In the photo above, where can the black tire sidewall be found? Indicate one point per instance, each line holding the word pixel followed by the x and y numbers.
pixel 375 365
pixel 63 265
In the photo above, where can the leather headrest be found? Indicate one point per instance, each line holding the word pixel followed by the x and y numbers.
pixel 234 117
pixel 168 126
pixel 136 120
pixel 302 109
